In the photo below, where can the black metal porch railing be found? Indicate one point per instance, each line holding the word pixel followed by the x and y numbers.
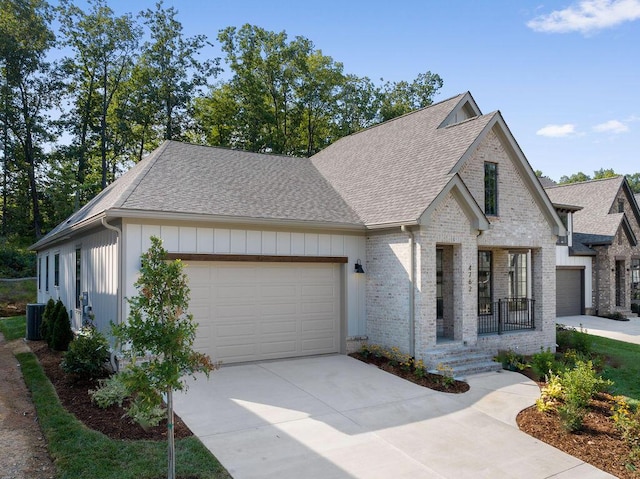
pixel 511 314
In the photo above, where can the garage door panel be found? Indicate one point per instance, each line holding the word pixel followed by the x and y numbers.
pixel 318 291
pixel 326 324
pixel 236 291
pixel 279 309
pixel 282 291
pixel 279 348
pixel 315 346
pixel 251 311
pixel 279 327
pixel 239 330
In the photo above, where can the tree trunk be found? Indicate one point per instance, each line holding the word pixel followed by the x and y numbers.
pixel 171 453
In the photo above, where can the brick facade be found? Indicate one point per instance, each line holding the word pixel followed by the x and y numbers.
pixel 609 258
pixel 519 227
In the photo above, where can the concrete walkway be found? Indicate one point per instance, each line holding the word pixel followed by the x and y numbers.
pixel 336 417
pixel 628 331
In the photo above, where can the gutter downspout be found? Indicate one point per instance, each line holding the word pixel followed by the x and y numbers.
pixel 119 287
pixel 412 280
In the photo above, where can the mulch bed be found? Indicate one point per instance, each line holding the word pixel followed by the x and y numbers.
pixel 599 443
pixel 111 421
pixel 431 381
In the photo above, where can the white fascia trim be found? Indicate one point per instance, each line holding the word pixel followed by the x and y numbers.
pixel 235 220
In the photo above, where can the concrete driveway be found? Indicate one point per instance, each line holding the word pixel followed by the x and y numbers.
pixel 336 417
pixel 628 331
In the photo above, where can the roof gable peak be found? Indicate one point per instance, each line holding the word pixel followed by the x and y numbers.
pixel 465 109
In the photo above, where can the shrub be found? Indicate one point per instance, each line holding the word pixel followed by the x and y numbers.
pixel 544 363
pixel 87 354
pixel 511 360
pixel 16 263
pixel 46 327
pixel 571 416
pixel 111 391
pixel 62 334
pixel 551 394
pixel 571 338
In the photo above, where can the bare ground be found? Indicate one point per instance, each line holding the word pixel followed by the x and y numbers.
pixel 24 449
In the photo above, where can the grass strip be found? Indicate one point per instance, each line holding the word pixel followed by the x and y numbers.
pixel 623 366
pixel 80 452
pixel 13 328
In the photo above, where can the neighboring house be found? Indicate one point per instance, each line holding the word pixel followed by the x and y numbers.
pixel 598 263
pixel 439 208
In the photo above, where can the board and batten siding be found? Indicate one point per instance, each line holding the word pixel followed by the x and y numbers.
pixel 220 240
pixel 564 259
pixel 99 276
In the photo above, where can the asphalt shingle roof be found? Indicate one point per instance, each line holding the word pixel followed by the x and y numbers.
pixel 392 172
pixel 596 198
pixel 389 173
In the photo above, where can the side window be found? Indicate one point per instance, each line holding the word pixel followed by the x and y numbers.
pixel 491 189
pixel 40 273
pixel 46 269
pixel 56 269
pixel 78 276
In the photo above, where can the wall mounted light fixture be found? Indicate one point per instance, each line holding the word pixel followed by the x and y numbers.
pixel 359 266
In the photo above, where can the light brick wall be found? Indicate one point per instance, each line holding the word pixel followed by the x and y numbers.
pixel 387 274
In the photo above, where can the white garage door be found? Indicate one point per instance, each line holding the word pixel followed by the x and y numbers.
pixel 568 292
pixel 256 311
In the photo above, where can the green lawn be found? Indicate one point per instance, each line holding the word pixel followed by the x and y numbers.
pixel 624 365
pixel 80 452
pixel 13 328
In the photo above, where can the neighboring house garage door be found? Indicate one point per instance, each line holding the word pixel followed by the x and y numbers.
pixel 254 311
pixel 569 292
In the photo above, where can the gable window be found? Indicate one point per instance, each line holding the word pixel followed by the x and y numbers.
pixel 620 205
pixel 56 269
pixel 78 273
pixel 491 189
pixel 635 278
pixel 46 278
pixel 485 294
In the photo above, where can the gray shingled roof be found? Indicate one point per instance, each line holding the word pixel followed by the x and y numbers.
pixel 389 173
pixel 392 172
pixel 192 179
pixel 596 198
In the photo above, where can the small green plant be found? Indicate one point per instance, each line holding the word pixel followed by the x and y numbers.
pixel 145 416
pixel 511 360
pixel 551 394
pixel 627 420
pixel 545 363
pixel 446 374
pixel 571 416
pixel 419 370
pixel 112 391
pixel 87 355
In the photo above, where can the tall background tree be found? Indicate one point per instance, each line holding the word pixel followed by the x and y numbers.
pixel 28 94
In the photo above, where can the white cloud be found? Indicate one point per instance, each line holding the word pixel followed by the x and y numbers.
pixel 557 131
pixel 611 126
pixel 587 16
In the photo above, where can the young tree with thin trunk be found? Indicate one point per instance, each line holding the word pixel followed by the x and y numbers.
pixel 158 338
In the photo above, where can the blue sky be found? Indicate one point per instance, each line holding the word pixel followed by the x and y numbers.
pixel 564 74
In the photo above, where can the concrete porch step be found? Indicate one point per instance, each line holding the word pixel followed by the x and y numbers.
pixel 462 361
